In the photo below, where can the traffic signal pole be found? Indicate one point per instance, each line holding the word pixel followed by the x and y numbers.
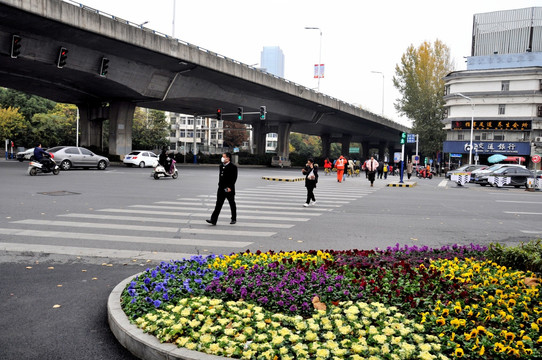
pixel 402 164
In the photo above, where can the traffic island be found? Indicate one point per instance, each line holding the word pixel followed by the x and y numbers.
pixel 404 184
pixel 283 178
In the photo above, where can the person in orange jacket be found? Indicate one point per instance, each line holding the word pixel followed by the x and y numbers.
pixel 340 164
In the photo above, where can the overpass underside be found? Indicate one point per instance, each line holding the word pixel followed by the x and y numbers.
pixel 154 71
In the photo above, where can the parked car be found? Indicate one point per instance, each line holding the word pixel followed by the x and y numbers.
pixel 480 176
pixel 464 169
pixel 518 175
pixel 71 156
pixel 25 155
pixel 141 158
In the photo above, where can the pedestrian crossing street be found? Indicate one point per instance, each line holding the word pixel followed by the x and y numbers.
pixel 176 228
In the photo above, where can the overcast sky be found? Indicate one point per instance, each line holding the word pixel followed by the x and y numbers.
pixel 358 36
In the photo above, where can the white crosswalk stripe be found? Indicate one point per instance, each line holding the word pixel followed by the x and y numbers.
pixel 177 228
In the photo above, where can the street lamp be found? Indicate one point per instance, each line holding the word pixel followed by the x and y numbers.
pixel 378 72
pixel 320 56
pixel 471 123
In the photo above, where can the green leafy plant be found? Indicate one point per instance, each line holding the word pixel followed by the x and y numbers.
pixel 525 256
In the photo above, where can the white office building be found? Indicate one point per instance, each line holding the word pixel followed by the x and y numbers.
pixel 498 99
pixel 187 132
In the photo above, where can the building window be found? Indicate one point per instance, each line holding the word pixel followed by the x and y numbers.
pixel 498 137
pixel 182 133
pixel 446 89
pixel 172 134
pixel 190 121
pixel 477 137
pixel 446 112
pixel 460 137
pixel 173 120
pixel 539 111
pixel 505 85
pixel 502 108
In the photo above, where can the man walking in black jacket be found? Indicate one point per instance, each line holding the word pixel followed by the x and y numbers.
pixel 226 189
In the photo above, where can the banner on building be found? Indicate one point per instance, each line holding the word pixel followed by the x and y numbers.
pixel 488 147
pixel 319 71
pixel 509 125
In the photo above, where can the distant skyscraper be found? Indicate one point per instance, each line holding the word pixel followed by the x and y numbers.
pixel 272 60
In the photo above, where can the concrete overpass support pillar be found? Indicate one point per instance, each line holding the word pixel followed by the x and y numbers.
pixel 382 151
pixel 365 150
pixel 91 118
pixel 258 137
pixel 120 127
pixel 283 145
pixel 345 142
pixel 391 151
pixel 326 145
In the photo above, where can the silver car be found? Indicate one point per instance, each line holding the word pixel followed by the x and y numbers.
pixel 71 156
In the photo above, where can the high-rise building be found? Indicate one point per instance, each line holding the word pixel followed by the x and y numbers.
pixel 272 60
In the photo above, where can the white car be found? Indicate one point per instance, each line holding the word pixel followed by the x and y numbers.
pixel 25 155
pixel 141 158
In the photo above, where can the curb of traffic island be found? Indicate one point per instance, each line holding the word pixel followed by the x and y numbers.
pixel 407 184
pixel 143 345
pixel 288 179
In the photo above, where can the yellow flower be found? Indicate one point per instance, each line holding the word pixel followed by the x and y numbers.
pixel 459 352
pixel 441 321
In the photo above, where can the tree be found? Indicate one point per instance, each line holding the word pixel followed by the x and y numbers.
pixel 305 145
pixel 12 124
pixel 234 134
pixel 28 104
pixel 420 80
pixel 150 129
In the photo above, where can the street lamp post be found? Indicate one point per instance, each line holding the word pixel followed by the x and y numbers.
pixel 378 72
pixel 320 54
pixel 471 123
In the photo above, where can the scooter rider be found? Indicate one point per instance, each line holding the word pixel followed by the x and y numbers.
pixel 164 160
pixel 42 157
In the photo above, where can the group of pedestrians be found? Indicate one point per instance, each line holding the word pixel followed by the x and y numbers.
pixel 228 176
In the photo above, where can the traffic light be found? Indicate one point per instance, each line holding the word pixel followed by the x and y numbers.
pixel 403 138
pixel 263 112
pixel 219 114
pixel 104 66
pixel 239 113
pixel 15 46
pixel 62 57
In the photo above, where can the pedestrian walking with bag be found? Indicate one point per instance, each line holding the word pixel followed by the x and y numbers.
pixel 311 179
pixel 226 189
pixel 372 166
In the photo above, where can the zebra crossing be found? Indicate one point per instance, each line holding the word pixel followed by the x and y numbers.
pixel 176 228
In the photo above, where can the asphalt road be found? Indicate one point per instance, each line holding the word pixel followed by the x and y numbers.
pixel 67 240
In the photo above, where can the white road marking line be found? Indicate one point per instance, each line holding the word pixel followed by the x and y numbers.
pixel 522 213
pixel 124 238
pixel 208 231
pixel 201 214
pixel 294 213
pixel 241 206
pixel 164 220
pixel 98 252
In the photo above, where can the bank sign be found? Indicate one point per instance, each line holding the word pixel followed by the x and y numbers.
pixel 488 147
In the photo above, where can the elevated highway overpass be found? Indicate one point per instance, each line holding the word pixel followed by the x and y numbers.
pixel 156 71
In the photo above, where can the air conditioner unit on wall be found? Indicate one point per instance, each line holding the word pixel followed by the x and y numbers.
pixel 538 139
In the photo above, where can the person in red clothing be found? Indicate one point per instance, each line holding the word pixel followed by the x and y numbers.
pixel 340 164
pixel 327 166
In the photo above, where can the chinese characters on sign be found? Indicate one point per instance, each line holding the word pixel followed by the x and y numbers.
pixel 489 147
pixel 493 125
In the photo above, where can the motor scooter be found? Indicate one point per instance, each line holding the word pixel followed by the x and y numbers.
pixel 423 173
pixel 48 166
pixel 160 171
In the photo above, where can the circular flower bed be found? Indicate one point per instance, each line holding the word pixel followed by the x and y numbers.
pixel 401 303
